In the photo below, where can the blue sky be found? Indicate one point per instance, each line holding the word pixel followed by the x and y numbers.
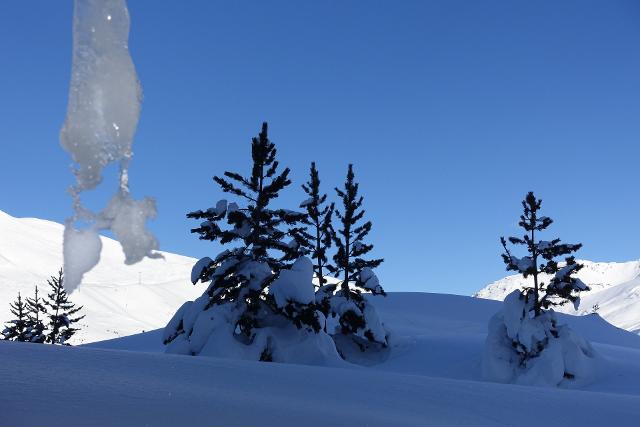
pixel 451 112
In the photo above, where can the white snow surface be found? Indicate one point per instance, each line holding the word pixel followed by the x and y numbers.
pixel 614 292
pixel 295 284
pixel 118 299
pixel 564 352
pixel 102 116
pixel 430 376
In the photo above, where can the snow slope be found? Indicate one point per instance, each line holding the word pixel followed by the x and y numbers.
pixel 429 377
pixel 615 291
pixel 118 299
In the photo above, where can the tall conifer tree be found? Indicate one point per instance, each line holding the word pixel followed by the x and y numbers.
pixel 242 275
pixel 355 271
pixel 317 238
pixel 349 240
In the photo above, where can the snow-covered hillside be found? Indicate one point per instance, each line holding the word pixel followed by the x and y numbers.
pixel 430 376
pixel 118 299
pixel 614 294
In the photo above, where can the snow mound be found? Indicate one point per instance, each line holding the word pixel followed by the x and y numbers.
pixel 205 329
pixel 536 350
pixel 211 332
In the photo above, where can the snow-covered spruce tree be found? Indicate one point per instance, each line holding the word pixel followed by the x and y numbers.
pixel 525 343
pixel 36 315
pixel 540 259
pixel 258 304
pixel 357 317
pixel 316 238
pixel 61 312
pixel 16 329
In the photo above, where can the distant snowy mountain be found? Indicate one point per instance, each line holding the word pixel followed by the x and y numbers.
pixel 118 299
pixel 614 294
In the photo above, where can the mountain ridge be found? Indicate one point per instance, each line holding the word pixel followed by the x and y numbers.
pixel 614 293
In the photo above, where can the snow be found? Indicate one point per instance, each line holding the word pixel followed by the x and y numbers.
pixel 430 376
pixel 294 284
pixel 118 299
pixel 431 373
pixel 535 350
pixel 102 116
pixel 306 202
pixel 211 333
pixel 523 264
pixel 200 329
pixel 221 207
pixel 614 291
pixel 370 280
pixel 199 268
pixel 130 388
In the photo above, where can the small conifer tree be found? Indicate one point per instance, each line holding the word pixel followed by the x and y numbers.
pixel 61 312
pixel 540 258
pixel 36 313
pixel 17 329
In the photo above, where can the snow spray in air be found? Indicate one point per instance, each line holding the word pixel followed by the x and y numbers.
pixel 102 116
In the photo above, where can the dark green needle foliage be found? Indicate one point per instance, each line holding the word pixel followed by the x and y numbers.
pixel 62 313
pixel 540 258
pixel 352 267
pixel 268 239
pixel 17 328
pixel 36 314
pixel 316 239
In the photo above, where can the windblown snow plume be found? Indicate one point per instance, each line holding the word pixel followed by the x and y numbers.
pixel 102 116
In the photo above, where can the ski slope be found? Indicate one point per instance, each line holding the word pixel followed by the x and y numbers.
pixel 118 299
pixel 614 294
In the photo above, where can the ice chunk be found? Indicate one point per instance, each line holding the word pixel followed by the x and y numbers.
pixel 102 116
pixel 104 95
pixel 126 218
pixel 81 250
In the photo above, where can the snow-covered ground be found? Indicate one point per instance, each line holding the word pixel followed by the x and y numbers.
pixel 118 299
pixel 614 294
pixel 431 376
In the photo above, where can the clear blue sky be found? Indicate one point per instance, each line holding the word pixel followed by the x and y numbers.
pixel 451 112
